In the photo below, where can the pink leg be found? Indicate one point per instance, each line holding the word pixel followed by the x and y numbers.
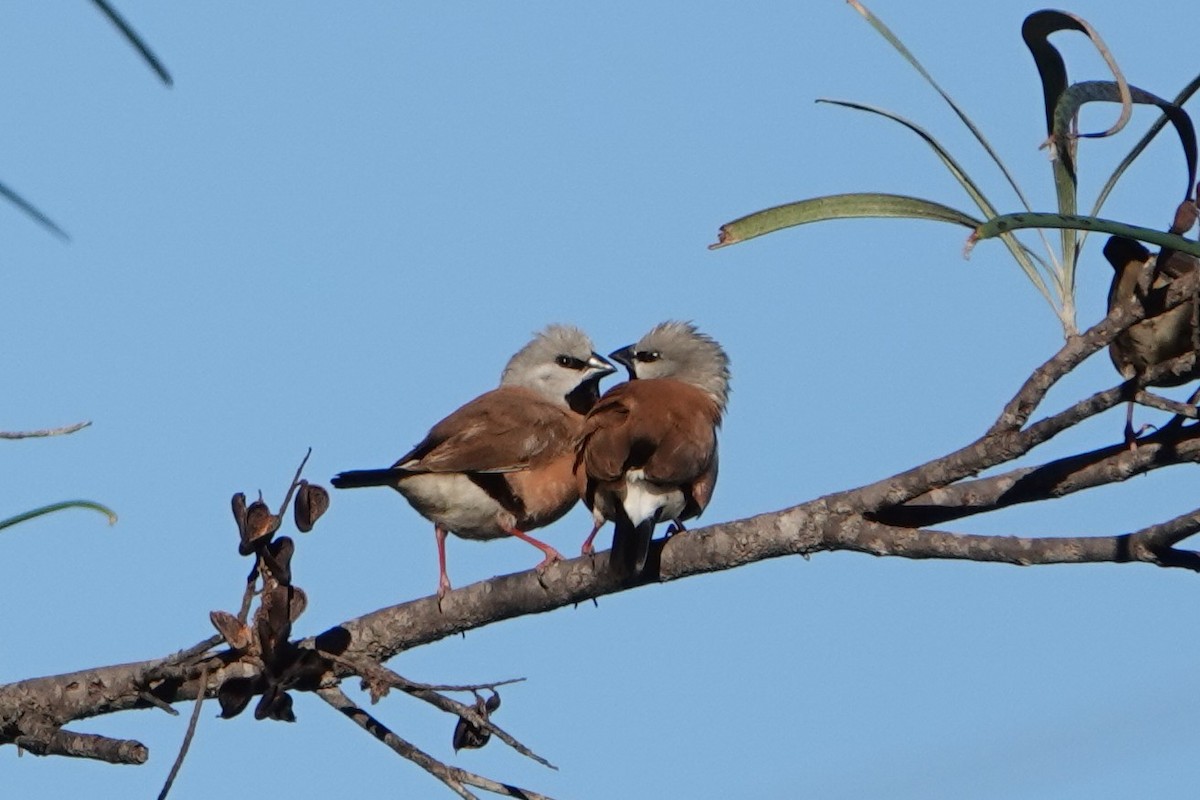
pixel 588 548
pixel 552 555
pixel 443 578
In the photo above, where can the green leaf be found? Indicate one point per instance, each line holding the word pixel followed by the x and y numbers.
pixel 1022 254
pixel 895 42
pixel 838 206
pixel 33 212
pixel 50 509
pixel 1141 145
pixel 997 226
pixel 1105 91
pixel 136 41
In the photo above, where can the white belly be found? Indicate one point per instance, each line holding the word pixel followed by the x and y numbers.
pixel 452 501
pixel 645 500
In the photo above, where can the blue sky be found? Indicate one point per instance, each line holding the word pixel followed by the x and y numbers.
pixel 339 224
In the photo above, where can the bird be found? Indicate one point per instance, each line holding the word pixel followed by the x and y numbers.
pixel 648 450
pixel 1162 335
pixel 502 464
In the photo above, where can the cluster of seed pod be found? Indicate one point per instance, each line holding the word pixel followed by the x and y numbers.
pixel 266 641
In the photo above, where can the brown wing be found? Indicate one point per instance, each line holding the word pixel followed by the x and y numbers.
pixel 503 430
pixel 662 426
pixel 702 490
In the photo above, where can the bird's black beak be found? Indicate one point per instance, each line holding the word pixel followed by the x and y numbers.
pixel 624 357
pixel 598 366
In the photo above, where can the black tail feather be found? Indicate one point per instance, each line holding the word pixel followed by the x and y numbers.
pixel 367 477
pixel 631 546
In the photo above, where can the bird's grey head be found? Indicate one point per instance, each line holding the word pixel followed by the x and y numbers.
pixel 677 350
pixel 560 365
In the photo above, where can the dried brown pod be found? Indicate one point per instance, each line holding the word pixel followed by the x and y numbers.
pixel 234 695
pixel 297 603
pixel 233 630
pixel 311 502
pixel 260 524
pixel 278 559
pixel 272 620
pixel 469 736
pixel 239 513
pixel 275 704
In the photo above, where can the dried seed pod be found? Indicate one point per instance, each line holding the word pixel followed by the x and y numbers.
pixel 275 704
pixel 234 695
pixel 272 620
pixel 239 513
pixel 278 559
pixel 233 630
pixel 469 736
pixel 260 524
pixel 311 502
pixel 297 604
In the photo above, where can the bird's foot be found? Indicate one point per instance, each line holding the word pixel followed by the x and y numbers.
pixel 552 556
pixel 1131 435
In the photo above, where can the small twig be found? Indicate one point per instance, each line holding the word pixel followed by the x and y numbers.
pixel 295 484
pixel 453 777
pixel 248 595
pixel 1150 400
pixel 187 737
pixel 376 672
pixel 61 431
pixel 182 657
pixel 158 703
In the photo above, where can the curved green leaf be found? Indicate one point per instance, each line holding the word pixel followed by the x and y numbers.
pixel 1024 257
pixel 997 226
pixel 1105 91
pixel 895 42
pixel 1184 95
pixel 838 206
pixel 50 509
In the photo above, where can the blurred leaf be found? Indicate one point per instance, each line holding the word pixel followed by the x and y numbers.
pixel 838 206
pixel 50 509
pixel 1008 222
pixel 135 40
pixel 32 211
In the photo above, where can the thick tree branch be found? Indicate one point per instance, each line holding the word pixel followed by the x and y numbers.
pixel 1168 447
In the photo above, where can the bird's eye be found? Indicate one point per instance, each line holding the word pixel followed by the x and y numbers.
pixel 647 356
pixel 569 362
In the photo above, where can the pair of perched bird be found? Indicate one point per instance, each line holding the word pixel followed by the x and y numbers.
pixel 520 456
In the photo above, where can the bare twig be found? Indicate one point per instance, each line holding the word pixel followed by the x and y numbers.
pixel 375 673
pixel 455 778
pixel 61 431
pixel 187 737
pixel 294 485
